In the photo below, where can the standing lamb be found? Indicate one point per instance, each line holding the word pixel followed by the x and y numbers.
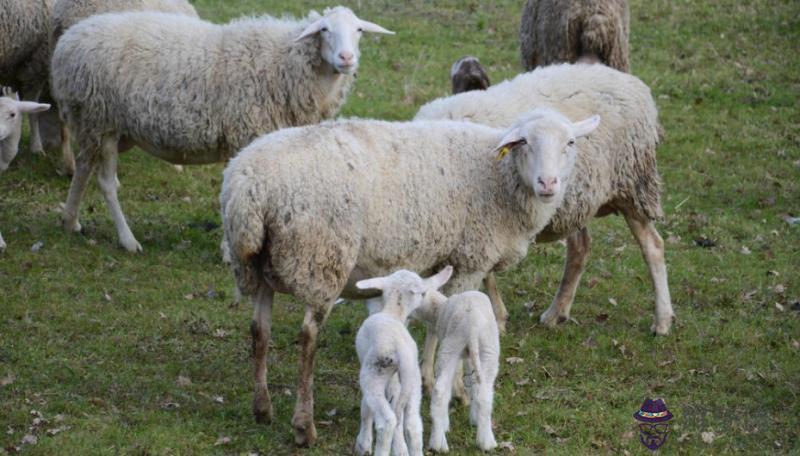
pixel 390 380
pixel 465 327
pixel 616 173
pixel 11 111
pixel 468 74
pixel 193 92
pixel 24 25
pixel 309 211
pixel 559 31
pixel 67 13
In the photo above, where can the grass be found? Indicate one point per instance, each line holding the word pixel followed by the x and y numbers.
pixel 95 339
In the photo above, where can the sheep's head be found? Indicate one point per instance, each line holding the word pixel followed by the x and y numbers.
pixel 403 290
pixel 340 31
pixel 467 74
pixel 11 111
pixel 542 145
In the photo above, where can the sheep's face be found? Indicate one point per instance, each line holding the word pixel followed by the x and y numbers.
pixel 467 74
pixel 544 150
pixel 340 32
pixel 403 290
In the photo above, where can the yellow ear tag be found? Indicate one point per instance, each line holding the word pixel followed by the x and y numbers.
pixel 503 152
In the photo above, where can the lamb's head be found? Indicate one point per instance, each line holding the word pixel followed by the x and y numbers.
pixel 542 145
pixel 11 111
pixel 403 290
pixel 467 74
pixel 340 31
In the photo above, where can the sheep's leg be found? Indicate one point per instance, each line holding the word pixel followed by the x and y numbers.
pixel 67 157
pixel 459 284
pixel 383 416
pixel 2 243
pixel 84 167
pixel 652 247
pixel 303 420
pixel 261 329
pixel 107 178
pixel 364 439
pixel 33 123
pixel 428 357
pixel 447 364
pixel 394 393
pixel 577 252
pixel 483 397
pixel 500 312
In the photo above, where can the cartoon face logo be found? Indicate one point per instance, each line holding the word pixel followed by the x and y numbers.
pixel 653 427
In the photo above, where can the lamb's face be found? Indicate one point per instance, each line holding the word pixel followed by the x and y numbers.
pixel 406 289
pixel 11 111
pixel 10 117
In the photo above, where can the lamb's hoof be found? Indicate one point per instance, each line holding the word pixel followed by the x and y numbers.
pixel 38 151
pixel 438 443
pixel 661 328
pixel 427 388
pixel 131 245
pixel 66 171
pixel 362 449
pixel 501 326
pixel 2 246
pixel 72 227
pixel 178 168
pixel 551 318
pixel 262 406
pixel 305 434
pixel 462 397
pixel 487 444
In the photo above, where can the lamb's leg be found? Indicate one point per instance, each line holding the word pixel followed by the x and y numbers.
pixel 394 393
pixel 428 357
pixel 260 329
pixel 459 388
pixel 303 420
pixel 385 420
pixel 107 178
pixel 364 439
pixel 484 398
pixel 85 166
pixel 447 364
pixel 652 247
pixel 67 157
pixel 500 312
pixel 463 282
pixel 577 252
pixel 2 243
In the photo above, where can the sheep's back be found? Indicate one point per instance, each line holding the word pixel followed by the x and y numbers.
pixel 23 26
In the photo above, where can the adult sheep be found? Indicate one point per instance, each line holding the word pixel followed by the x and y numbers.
pixel 309 211
pixel 560 31
pixel 617 174
pixel 67 13
pixel 24 25
pixel 192 92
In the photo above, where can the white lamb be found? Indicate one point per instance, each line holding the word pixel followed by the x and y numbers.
pixel 11 111
pixel 192 92
pixel 391 384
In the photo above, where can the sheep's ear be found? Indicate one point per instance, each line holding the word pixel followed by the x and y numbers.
pixel 587 126
pixel 377 283
pixel 312 28
pixel 511 140
pixel 437 281
pixel 28 107
pixel 371 27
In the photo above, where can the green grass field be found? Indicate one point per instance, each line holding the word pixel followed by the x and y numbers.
pixel 93 341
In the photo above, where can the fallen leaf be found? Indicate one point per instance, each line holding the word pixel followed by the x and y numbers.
pixel 30 439
pixel 705 243
pixel 170 405
pixel 592 282
pixel 189 296
pixel 590 342
pixel 220 333
pixel 222 440
pixel 745 251
pixel 708 437
pixel 58 418
pixel 779 288
pixel 325 422
pixel 612 301
pixel 796 344
pixel 522 382
pixel 791 220
pixel 7 380
pixel 507 445
pixel 685 436
pixel 717 280
pixel 601 318
pixel 626 436
pixel 287 392
pixel 549 430
pixel 162 315
pixel 183 381
pixel 673 239
pixel 514 360
pixel 58 430
pixel 773 273
pixel 36 247
pixel 779 306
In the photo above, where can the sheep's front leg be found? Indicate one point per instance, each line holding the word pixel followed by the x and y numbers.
pixel 303 420
pixel 500 312
pixel 261 329
pixel 107 178
pixel 652 247
pixel 85 166
pixel 578 244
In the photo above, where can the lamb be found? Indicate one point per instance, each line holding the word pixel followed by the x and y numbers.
pixel 468 74
pixel 309 211
pixel 616 173
pixel 389 377
pixel 11 111
pixel 67 13
pixel 24 26
pixel 464 324
pixel 560 31
pixel 193 92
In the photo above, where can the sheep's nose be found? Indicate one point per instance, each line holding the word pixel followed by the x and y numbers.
pixel 347 57
pixel 548 185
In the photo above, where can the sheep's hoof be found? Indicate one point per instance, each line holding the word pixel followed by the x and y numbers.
pixel 131 245
pixel 661 328
pixel 305 434
pixel 72 227
pixel 501 326
pixel 487 444
pixel 262 406
pixel 551 318
pixel 438 443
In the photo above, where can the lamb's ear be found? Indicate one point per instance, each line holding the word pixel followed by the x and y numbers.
pixel 377 284
pixel 435 282
pixel 371 27
pixel 511 140
pixel 312 28
pixel 587 126
pixel 28 107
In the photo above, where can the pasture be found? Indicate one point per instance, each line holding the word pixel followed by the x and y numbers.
pixel 104 352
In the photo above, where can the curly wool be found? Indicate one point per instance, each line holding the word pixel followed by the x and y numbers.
pixel 24 25
pixel 616 165
pixel 558 31
pixel 189 91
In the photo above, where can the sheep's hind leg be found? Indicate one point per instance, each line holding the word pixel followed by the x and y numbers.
pixel 577 252
pixel 33 124
pixel 447 365
pixel 364 439
pixel 260 329
pixel 84 167
pixel 107 178
pixel 67 157
pixel 500 312
pixel 652 247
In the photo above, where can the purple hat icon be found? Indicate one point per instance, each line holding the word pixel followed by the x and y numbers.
pixel 653 411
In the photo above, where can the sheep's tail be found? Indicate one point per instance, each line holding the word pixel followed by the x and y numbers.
pixel 475 356
pixel 601 38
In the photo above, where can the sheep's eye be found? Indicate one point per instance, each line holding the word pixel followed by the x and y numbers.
pixel 12 115
pixel 571 142
pixel 360 30
pixel 323 29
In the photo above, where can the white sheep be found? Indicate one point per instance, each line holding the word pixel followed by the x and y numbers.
pixel 193 92
pixel 561 31
pixel 24 26
pixel 11 111
pixel 465 327
pixel 67 13
pixel 390 380
pixel 616 173
pixel 309 211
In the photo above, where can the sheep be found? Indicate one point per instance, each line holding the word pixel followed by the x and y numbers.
pixel 616 174
pixel 24 26
pixel 560 31
pixel 389 378
pixel 193 92
pixel 464 324
pixel 308 211
pixel 11 111
pixel 468 74
pixel 67 13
